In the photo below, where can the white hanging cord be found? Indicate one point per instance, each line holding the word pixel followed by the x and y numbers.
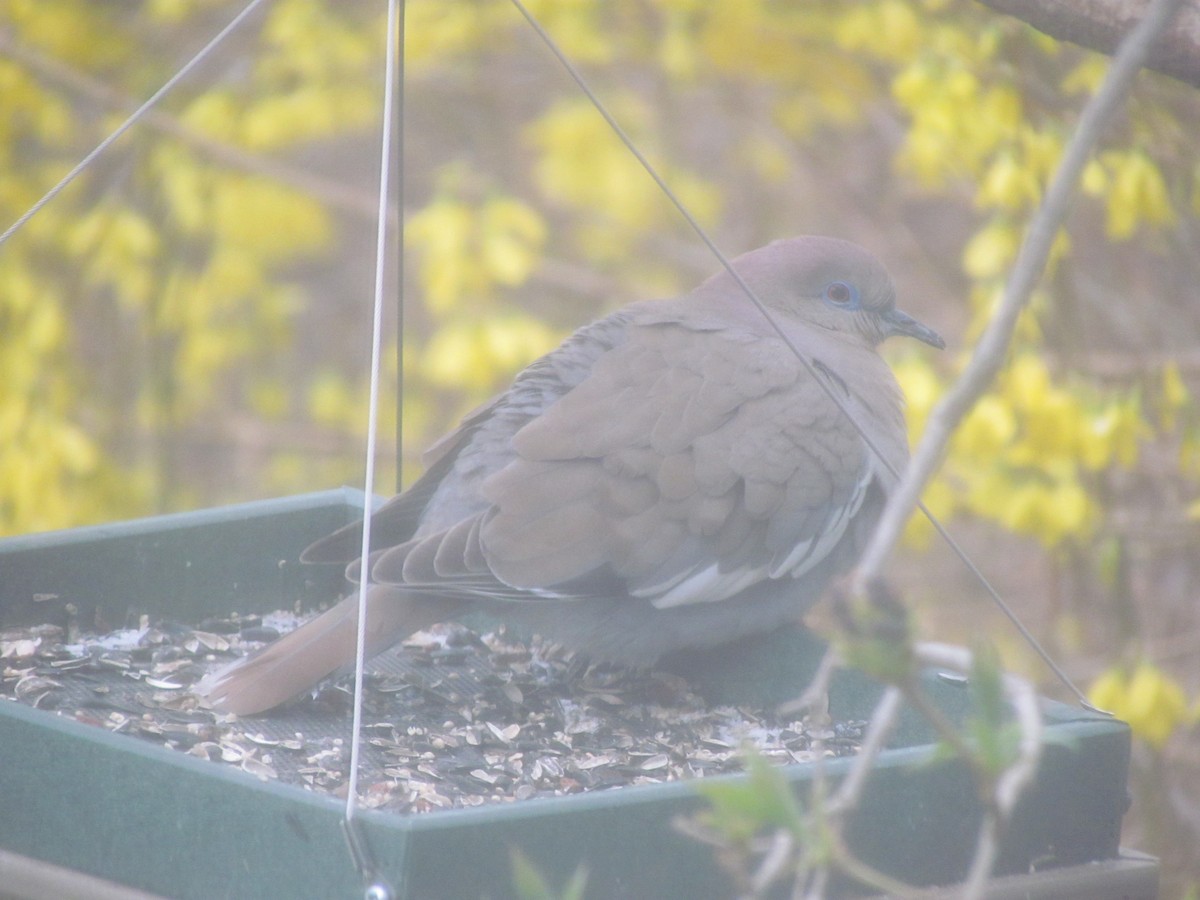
pixel 137 114
pixel 358 848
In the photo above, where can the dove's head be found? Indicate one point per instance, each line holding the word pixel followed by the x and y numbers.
pixel 831 284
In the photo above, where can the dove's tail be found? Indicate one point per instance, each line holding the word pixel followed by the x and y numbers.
pixel 300 659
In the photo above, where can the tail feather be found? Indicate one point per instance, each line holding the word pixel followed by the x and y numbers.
pixel 300 659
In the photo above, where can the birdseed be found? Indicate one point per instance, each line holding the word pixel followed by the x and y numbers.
pixel 452 718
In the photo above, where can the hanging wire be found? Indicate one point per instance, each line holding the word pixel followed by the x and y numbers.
pixel 376 888
pixel 133 118
pixel 397 113
pixel 583 85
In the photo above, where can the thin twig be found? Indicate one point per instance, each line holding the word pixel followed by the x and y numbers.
pixel 942 726
pixel 1019 691
pixel 815 699
pixel 780 849
pixel 1031 261
pixel 883 720
pixel 867 875
pixel 1007 786
pixel 987 846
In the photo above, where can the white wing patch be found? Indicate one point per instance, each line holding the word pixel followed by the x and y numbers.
pixel 710 585
pixel 808 553
pixel 707 585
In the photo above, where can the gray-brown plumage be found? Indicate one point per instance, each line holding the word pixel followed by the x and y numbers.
pixel 672 476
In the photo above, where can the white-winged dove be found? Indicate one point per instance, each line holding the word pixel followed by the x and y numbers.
pixel 672 476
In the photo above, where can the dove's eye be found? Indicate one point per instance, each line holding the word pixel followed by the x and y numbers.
pixel 841 294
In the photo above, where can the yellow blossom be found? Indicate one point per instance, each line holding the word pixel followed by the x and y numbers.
pixel 1138 194
pixel 991 250
pixel 1174 396
pixel 1147 698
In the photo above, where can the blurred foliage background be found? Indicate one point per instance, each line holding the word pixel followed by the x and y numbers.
pixel 187 325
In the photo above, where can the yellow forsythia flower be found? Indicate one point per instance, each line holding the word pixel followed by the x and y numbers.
pixel 991 250
pixel 1147 698
pixel 1175 396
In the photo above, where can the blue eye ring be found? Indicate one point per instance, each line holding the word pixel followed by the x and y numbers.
pixel 841 295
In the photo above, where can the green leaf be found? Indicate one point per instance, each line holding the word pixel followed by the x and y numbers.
pixel 530 884
pixel 761 799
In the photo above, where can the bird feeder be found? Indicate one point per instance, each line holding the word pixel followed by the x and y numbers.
pixel 86 809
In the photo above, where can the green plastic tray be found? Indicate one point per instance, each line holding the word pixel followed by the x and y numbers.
pixel 163 822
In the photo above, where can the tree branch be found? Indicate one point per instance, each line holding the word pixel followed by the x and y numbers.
pixel 1100 25
pixel 989 354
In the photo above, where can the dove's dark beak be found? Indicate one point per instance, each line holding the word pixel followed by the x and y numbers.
pixel 901 323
